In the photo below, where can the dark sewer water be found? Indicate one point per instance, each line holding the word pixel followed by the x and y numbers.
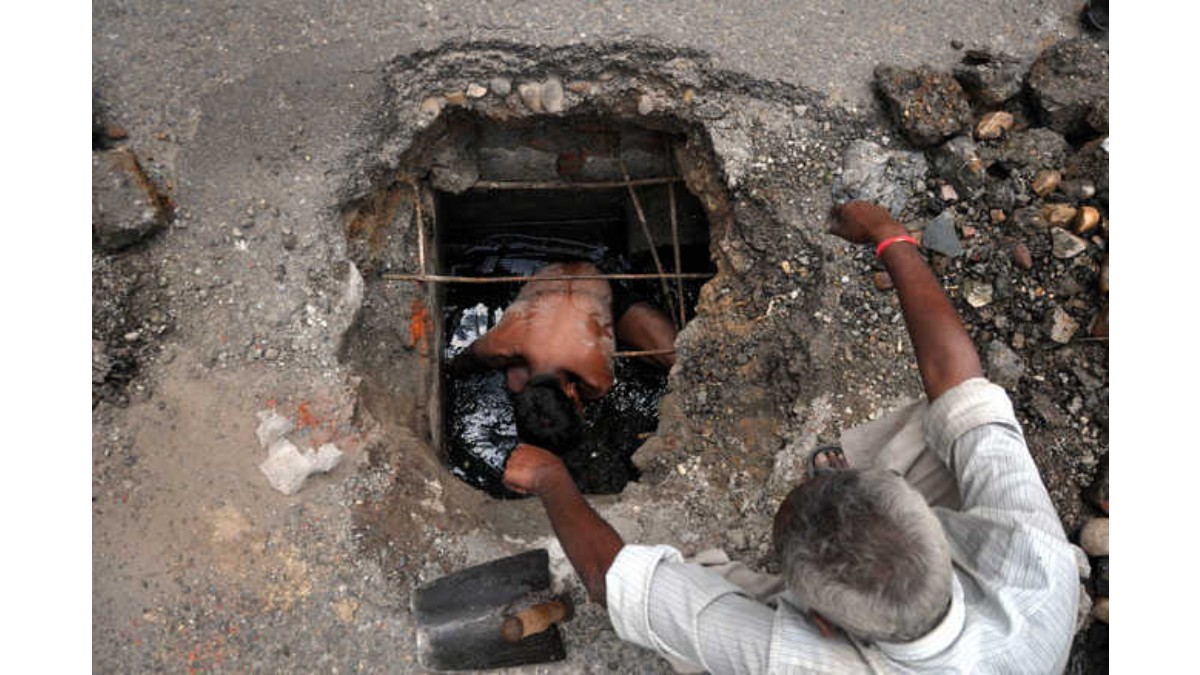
pixel 480 428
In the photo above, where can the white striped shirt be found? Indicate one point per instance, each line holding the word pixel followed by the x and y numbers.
pixel 1015 588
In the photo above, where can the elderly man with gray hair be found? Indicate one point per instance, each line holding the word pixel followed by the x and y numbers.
pixel 874 579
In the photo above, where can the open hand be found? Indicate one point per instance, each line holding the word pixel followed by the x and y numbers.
pixel 863 222
pixel 530 469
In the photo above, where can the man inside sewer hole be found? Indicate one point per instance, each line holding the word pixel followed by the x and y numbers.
pixel 556 342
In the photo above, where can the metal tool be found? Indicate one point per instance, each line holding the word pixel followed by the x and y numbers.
pixel 495 615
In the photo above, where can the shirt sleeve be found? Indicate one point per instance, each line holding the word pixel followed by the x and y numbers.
pixel 686 611
pixel 973 429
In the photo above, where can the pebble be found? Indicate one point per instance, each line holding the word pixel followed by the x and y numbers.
pixel 552 95
pixel 948 193
pixel 1004 366
pixel 969 232
pixel 1066 245
pixel 1059 215
pixel 456 98
pixel 1100 609
pixel 431 106
pixel 501 86
pixel 132 336
pixel 1063 326
pixel 940 236
pixel 1022 256
pixel 978 293
pixel 1046 181
pixel 476 90
pixel 579 87
pixel 1087 219
pixel 993 125
pixel 531 95
pixel 1093 538
pixel 1078 189
pixel 997 216
pixel 883 281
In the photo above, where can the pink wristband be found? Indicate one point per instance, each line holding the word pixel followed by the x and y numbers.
pixel 891 240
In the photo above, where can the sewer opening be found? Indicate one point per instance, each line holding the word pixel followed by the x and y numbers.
pixel 511 228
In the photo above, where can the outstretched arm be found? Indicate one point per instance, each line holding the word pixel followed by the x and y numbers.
pixel 591 544
pixel 647 328
pixel 945 354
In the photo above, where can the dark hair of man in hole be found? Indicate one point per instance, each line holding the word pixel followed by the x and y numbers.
pixel 546 417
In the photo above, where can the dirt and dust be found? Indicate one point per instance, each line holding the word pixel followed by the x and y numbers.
pixel 269 287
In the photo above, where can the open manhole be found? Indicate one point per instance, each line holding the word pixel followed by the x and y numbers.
pixel 500 202
pixel 523 213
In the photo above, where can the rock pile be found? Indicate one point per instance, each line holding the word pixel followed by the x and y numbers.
pixel 1014 215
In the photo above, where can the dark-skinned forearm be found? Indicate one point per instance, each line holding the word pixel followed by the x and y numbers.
pixel 945 354
pixel 591 544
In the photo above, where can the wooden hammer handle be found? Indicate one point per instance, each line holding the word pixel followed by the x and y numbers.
pixel 536 619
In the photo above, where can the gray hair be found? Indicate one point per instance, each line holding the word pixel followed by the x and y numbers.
pixel 864 550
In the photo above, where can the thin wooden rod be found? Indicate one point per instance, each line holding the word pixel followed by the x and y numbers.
pixel 637 206
pixel 420 221
pixel 645 352
pixel 562 185
pixel 678 257
pixel 448 279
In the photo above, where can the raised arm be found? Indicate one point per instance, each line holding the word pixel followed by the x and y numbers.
pixel 945 354
pixel 647 328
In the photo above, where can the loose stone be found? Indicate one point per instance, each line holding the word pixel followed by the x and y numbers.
pixel 1066 245
pixel 1093 538
pixel 552 95
pixel 1087 219
pixel 1021 256
pixel 1004 366
pixel 579 87
pixel 940 236
pixel 476 90
pixel 1078 189
pixel 978 293
pixel 929 106
pixel 997 216
pixel 990 78
pixel 500 86
pixel 994 125
pixel 431 106
pixel 1046 181
pixel 1059 215
pixel 1063 326
pixel 456 98
pixel 1068 84
pixel 883 281
pixel 531 95
pixel 948 193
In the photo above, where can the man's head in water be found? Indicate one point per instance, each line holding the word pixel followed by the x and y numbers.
pixel 547 417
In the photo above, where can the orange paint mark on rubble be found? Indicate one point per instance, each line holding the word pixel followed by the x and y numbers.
pixel 420 326
pixel 304 417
